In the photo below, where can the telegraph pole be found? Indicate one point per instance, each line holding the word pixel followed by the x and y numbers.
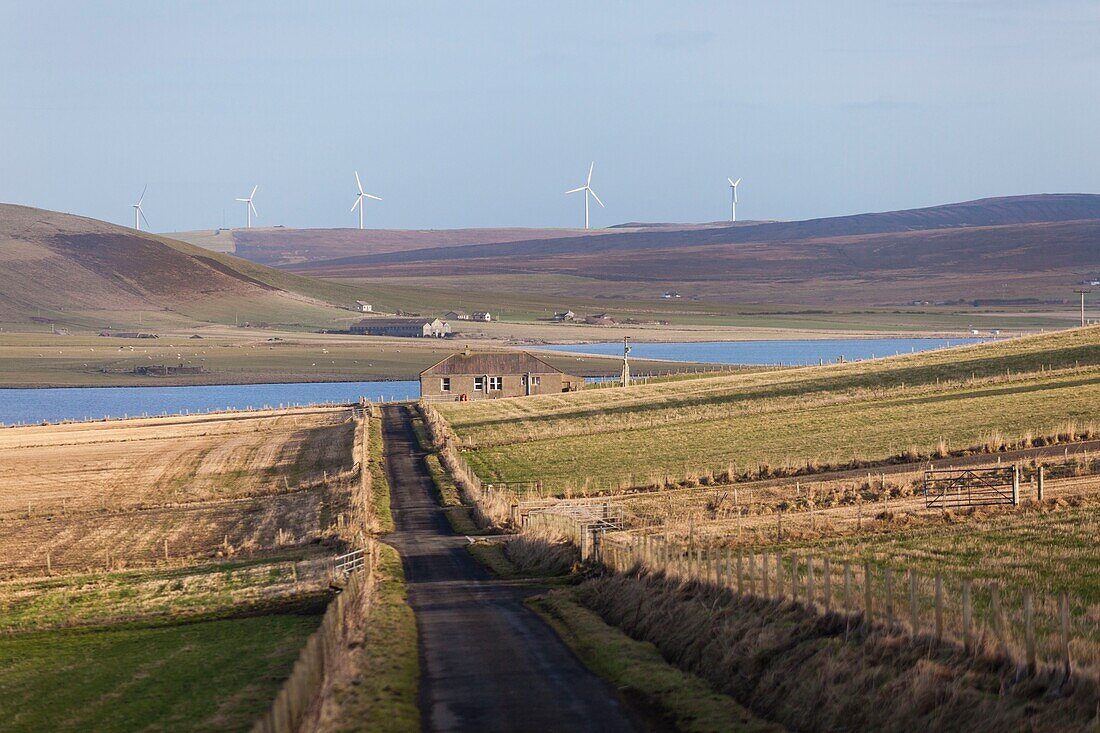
pixel 626 361
pixel 1082 292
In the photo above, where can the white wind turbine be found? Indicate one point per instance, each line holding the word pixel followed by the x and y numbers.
pixel 249 207
pixel 138 213
pixel 359 199
pixel 733 198
pixel 587 188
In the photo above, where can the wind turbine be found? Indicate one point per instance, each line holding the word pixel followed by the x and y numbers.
pixel 587 188
pixel 359 199
pixel 733 198
pixel 249 207
pixel 138 213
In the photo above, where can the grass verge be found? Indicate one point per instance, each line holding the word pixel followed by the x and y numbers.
pixel 675 698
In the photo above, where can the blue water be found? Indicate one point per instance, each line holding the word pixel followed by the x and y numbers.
pixel 765 352
pixel 81 403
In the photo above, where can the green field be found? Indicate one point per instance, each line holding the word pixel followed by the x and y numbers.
pixel 201 675
pixel 876 410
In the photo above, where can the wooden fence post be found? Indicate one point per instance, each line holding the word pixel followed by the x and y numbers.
pixel 810 580
pixel 1029 630
pixel 1016 485
pixel 827 571
pixel 889 579
pixel 778 576
pixel 1063 614
pixel 868 607
pixel 764 574
pixel 752 573
pixel 740 574
pixel 794 578
pixel 939 607
pixel 1039 483
pixel 914 607
pixel 968 616
pixel 847 588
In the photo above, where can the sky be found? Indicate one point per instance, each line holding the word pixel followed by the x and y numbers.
pixel 483 114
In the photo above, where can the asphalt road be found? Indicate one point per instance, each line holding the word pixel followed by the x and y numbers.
pixel 487 662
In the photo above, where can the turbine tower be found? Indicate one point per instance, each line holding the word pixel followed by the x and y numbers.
pixel 587 189
pixel 138 213
pixel 249 207
pixel 359 199
pixel 733 198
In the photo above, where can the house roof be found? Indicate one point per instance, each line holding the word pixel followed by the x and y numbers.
pixel 494 362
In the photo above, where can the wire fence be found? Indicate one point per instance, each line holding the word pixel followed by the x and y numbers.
pixel 1037 630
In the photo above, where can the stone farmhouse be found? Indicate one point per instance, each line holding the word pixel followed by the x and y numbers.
pixel 488 375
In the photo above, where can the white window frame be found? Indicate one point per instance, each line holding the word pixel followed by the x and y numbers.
pixel 496 384
pixel 479 384
pixel 444 384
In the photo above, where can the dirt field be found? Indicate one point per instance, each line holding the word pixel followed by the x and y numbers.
pixel 133 463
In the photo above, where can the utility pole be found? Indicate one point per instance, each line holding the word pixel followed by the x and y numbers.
pixel 626 361
pixel 1082 292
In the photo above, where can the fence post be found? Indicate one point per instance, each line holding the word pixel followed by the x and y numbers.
pixel 764 574
pixel 939 607
pixel 914 608
pixel 810 580
pixel 740 574
pixel 968 616
pixel 1016 485
pixel 867 605
pixel 779 576
pixel 1063 613
pixel 995 609
pixel 752 573
pixel 889 577
pixel 794 578
pixel 1039 483
pixel 827 571
pixel 1029 629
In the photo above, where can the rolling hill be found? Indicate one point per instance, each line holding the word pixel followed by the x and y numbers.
pixel 1005 249
pixel 70 270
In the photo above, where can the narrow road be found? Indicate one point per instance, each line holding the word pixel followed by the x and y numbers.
pixel 487 662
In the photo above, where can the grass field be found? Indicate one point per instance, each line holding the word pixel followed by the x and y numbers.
pixel 142 462
pixel 919 404
pixel 202 675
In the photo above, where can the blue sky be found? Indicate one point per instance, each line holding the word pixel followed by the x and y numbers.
pixel 483 114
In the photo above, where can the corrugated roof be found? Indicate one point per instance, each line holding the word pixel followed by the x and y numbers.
pixel 496 362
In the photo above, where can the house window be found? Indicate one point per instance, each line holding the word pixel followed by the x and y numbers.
pixel 445 384
pixel 479 384
pixel 496 383
pixel 536 381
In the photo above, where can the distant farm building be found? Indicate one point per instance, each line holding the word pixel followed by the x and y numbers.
pixel 599 319
pixel 483 376
pixel 402 327
pixel 564 316
pixel 482 316
pixel 363 307
pixel 669 294
pixel 457 316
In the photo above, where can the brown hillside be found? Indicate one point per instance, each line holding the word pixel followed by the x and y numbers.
pixel 71 269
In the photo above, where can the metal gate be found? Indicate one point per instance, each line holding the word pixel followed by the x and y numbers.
pixel 948 488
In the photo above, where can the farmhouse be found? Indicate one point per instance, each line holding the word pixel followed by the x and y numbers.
pixel 457 316
pixel 564 316
pixel 363 307
pixel 481 376
pixel 404 327
pixel 482 316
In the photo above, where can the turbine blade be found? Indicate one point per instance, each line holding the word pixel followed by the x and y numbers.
pixel 253 194
pixel 244 200
pixel 372 197
pixel 358 201
pixel 358 182
pixel 142 215
pixel 575 190
pixel 142 197
pixel 590 172
pixel 253 207
pixel 737 182
pixel 731 181
pixel 597 198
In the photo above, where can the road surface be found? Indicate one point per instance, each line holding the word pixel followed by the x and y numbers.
pixel 487 662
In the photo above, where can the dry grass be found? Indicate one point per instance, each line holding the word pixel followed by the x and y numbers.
pixel 146 462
